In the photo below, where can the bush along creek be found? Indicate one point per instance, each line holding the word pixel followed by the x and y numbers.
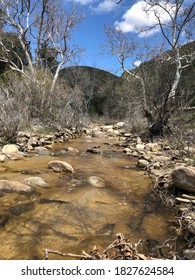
pixel 96 190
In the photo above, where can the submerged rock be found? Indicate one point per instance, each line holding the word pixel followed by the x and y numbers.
pixel 184 178
pixel 14 186
pixel 35 181
pixel 93 150
pixel 96 182
pixel 106 230
pixel 72 150
pixel 21 208
pixel 59 166
pixel 42 151
pixel 3 220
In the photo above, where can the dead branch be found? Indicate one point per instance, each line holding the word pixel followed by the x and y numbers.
pixel 83 256
pixel 121 248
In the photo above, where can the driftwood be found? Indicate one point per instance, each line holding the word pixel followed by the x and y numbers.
pixel 120 249
pixel 191 197
pixel 185 200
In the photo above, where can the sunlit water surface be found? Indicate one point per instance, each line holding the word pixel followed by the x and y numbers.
pixel 86 215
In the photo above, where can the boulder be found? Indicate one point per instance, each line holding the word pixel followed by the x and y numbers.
pixel 184 178
pixel 14 186
pixel 142 163
pixel 59 166
pixel 94 150
pixel 15 156
pixel 127 150
pixel 107 127
pixel 72 150
pixel 96 182
pixel 119 124
pixel 10 149
pixel 139 140
pixel 33 142
pixel 161 158
pixel 153 147
pixel 42 151
pixel 35 181
pixel 140 147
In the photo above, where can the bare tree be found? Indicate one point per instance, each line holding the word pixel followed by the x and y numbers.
pixel 173 33
pixel 37 23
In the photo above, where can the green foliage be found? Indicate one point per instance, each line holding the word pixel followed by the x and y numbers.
pixel 97 86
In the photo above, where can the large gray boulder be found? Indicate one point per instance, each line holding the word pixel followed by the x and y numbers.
pixel 184 178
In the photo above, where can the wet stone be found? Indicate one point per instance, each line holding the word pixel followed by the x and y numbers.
pixel 17 187
pixel 106 230
pixel 58 166
pixel 3 220
pixel 42 151
pixel 96 182
pixel 93 150
pixel 36 182
pixel 21 208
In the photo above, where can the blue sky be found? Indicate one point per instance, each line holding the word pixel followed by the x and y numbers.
pixel 90 34
pixel 128 16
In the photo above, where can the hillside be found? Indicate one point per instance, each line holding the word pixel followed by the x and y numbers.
pixel 96 84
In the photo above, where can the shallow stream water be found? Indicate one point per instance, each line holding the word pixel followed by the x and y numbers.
pixel 80 215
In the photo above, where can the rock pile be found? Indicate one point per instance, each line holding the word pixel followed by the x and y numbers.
pixel 38 143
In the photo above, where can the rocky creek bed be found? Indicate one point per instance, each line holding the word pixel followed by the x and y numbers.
pixel 72 190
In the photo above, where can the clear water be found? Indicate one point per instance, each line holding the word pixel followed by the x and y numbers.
pixel 88 215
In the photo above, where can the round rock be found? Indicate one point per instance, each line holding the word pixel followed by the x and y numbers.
pixel 10 149
pixel 36 182
pixel 59 166
pixel 184 178
pixel 96 182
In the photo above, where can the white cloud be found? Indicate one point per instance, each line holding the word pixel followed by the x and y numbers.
pixel 84 2
pixel 136 18
pixel 137 63
pixel 105 6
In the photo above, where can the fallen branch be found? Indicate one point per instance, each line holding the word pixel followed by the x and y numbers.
pixel 83 256
pixel 121 249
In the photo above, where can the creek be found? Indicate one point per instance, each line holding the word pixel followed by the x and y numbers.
pixel 70 215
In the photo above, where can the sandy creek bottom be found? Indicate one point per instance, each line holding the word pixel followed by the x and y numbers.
pixel 89 215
